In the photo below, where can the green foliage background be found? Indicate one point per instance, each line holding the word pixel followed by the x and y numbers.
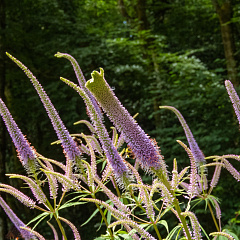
pixel 178 60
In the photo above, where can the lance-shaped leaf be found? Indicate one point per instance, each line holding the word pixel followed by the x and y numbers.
pixel 145 150
pixel 16 221
pixel 70 148
pixel 26 153
pixel 119 168
pixel 197 153
pixel 234 98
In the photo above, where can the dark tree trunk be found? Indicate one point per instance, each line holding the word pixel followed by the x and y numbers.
pixel 3 219
pixel 224 12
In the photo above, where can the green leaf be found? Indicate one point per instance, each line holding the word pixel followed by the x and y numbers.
pixel 94 213
pixel 39 216
pixel 173 231
pixel 66 205
pixel 165 224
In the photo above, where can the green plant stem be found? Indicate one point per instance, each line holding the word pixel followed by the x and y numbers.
pixel 157 232
pixel 164 180
pixel 213 217
pixel 104 218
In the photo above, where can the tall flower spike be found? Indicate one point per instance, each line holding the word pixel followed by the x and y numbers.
pixel 234 98
pixel 145 150
pixel 16 221
pixel 195 225
pixel 70 148
pixel 26 153
pixel 81 79
pixel 197 153
pixel 119 168
pixel 193 188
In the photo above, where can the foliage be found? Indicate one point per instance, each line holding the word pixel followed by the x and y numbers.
pixel 98 165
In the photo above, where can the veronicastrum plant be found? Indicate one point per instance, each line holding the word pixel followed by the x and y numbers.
pixel 135 209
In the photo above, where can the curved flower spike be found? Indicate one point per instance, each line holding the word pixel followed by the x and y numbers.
pixel 16 221
pixel 70 148
pixel 134 225
pixel 73 227
pixel 145 150
pixel 224 234
pixel 81 79
pixel 36 190
pixel 26 153
pixel 195 225
pixel 234 98
pixel 24 199
pixel 197 153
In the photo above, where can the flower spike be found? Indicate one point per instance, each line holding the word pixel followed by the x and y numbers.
pixel 234 98
pixel 16 221
pixel 81 79
pixel 26 153
pixel 70 148
pixel 197 153
pixel 145 150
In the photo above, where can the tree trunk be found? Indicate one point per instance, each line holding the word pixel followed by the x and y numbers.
pixel 3 218
pixel 224 12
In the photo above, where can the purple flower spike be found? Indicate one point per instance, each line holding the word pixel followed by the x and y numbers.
pixel 234 98
pixel 145 150
pixel 80 77
pixel 16 221
pixel 71 150
pixel 197 153
pixel 26 153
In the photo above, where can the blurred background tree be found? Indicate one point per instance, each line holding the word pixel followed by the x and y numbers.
pixel 154 52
